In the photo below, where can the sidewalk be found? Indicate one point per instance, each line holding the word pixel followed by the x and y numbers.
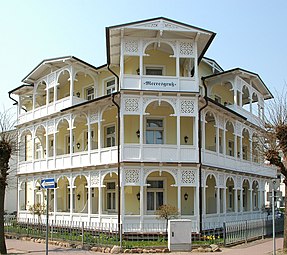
pixel 260 247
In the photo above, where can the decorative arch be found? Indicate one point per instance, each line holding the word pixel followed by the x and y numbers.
pixel 211 175
pixel 156 41
pixel 172 173
pixel 171 103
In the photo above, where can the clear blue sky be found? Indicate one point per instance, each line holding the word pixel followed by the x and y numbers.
pixel 251 34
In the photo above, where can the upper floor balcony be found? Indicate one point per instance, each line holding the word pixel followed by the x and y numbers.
pixel 241 91
pixel 163 65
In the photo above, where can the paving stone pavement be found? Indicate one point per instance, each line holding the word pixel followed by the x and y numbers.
pixel 260 247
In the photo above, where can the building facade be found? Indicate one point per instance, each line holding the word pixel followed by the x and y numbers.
pixel 158 124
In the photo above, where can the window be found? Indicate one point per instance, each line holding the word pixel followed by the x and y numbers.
pixel 155 194
pixel 89 93
pixel 110 86
pixel 111 196
pixel 38 150
pixel 154 131
pixel 154 70
pixel 110 136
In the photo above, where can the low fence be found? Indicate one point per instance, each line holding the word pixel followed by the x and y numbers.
pixel 97 234
pixel 244 231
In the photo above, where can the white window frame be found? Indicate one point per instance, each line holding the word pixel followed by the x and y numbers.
pixel 164 190
pixel 106 136
pixel 163 128
pixel 105 82
pixel 112 191
pixel 66 149
pixel 86 88
pixel 162 67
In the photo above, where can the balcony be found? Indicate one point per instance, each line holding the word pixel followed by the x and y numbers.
pixel 160 153
pixel 159 83
pixel 241 166
pixel 75 160
pixel 51 108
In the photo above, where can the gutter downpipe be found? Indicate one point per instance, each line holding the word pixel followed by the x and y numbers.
pixel 119 158
pixel 199 153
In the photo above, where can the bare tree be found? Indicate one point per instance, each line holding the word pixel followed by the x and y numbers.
pixel 167 212
pixel 276 141
pixel 8 146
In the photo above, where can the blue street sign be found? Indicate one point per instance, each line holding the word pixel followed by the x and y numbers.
pixel 48 183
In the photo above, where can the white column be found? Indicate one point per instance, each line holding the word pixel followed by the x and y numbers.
pixel 100 202
pixel 224 140
pixel 100 137
pixel 71 85
pixel 89 199
pixel 203 131
pixel 141 206
pixel 217 139
pixel 241 151
pixel 218 200
pixel 141 136
pixel 235 146
pixel 47 95
pixel 178 134
pixel 235 201
pixel 251 199
pixel 55 92
pixel 241 200
pixel 177 66
pixel 195 131
pixel 250 146
pixel 179 199
pixel 55 203
pixel 250 104
pixel 235 96
pixel 224 200
pixel 204 200
pixel 123 211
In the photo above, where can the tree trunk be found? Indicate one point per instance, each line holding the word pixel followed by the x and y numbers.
pixel 3 249
pixel 285 220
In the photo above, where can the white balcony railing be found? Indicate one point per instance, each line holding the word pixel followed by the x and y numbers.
pixel 243 166
pixel 49 109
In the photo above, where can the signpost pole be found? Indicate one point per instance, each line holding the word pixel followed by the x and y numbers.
pixel 47 223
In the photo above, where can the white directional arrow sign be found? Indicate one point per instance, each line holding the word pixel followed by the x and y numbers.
pixel 48 183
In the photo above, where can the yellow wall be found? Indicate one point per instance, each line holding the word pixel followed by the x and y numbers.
pixel 162 59
pixel 187 206
pixel 224 92
pixel 132 204
pixel 131 64
pixel 186 129
pixel 131 124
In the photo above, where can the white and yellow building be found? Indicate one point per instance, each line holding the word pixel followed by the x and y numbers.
pixel 158 124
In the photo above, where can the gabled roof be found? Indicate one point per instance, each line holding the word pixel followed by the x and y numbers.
pixel 149 28
pixel 45 66
pixel 211 62
pixel 244 74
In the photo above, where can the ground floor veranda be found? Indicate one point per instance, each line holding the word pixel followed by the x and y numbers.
pixel 91 196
